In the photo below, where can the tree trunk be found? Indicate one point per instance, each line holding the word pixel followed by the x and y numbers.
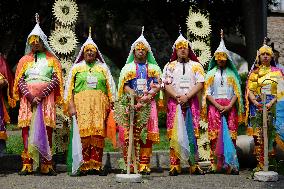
pixel 255 24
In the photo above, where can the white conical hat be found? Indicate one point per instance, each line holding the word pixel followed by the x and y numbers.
pixel 80 55
pixel 179 39
pixel 222 47
pixel 140 39
pixel 38 32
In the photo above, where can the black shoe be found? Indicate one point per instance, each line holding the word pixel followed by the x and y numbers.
pixel 82 173
pixel 173 172
pixel 234 172
pixel 211 170
pixel 103 172
pixel 91 172
pixel 25 173
pixel 51 172
pixel 197 170
pixel 145 171
pixel 37 172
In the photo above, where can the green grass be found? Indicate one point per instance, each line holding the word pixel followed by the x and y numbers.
pixel 12 127
pixel 163 145
pixel 14 144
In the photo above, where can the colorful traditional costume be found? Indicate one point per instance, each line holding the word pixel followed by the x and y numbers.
pixel 222 84
pixel 90 86
pixel 262 75
pixel 6 90
pixel 139 76
pixel 39 75
pixel 183 120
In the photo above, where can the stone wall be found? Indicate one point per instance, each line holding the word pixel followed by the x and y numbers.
pixel 275 31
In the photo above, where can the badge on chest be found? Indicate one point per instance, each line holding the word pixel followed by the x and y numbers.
pixel 266 89
pixel 92 81
pixel 184 82
pixel 222 91
pixel 141 84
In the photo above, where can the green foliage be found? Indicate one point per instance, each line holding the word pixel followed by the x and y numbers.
pixel 115 71
pixel 164 143
pixel 14 144
pixel 243 77
pixel 242 129
pixel 162 119
pixel 11 127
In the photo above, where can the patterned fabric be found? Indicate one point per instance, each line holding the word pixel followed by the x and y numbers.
pixel 233 87
pixel 77 81
pixel 27 62
pixel 214 120
pixel 23 87
pixel 6 73
pixel 26 158
pixel 48 107
pixel 129 72
pixel 220 80
pixel 39 71
pixel 94 70
pixel 259 77
pixel 141 73
pixel 92 109
pixel 92 152
pixel 194 73
pixel 171 113
pixel 3 134
pixel 7 78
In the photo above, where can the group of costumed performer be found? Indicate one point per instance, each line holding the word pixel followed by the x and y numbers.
pixel 38 86
pixel 183 77
pixel 265 73
pixel 139 77
pixel 222 107
pixel 89 95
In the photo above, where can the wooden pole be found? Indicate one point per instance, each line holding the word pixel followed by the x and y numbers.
pixel 130 134
pixel 265 138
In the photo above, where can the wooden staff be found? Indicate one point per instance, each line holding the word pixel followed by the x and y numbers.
pixel 265 138
pixel 130 137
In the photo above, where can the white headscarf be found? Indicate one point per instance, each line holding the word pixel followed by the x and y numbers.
pixel 37 31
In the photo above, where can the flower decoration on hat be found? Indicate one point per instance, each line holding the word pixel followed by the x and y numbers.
pixel 202 50
pixel 65 11
pixel 63 40
pixel 198 24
